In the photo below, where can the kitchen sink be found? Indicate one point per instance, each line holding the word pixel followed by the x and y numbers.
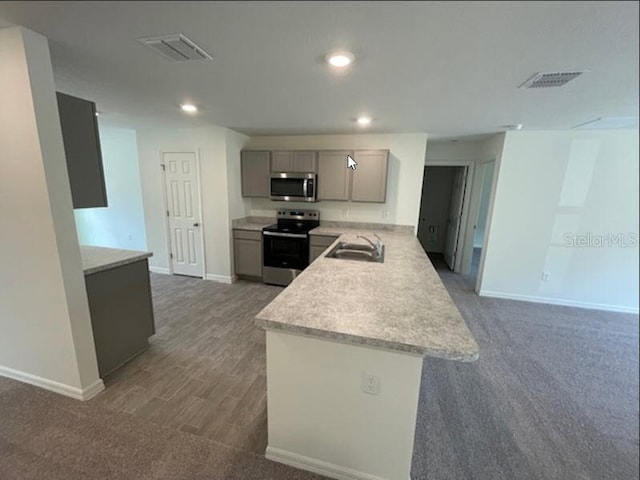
pixel 355 251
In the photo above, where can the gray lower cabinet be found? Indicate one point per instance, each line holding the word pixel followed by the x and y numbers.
pixel 333 175
pixel 294 161
pixel 247 253
pixel 369 182
pixel 121 313
pixel 82 150
pixel 318 244
pixel 255 171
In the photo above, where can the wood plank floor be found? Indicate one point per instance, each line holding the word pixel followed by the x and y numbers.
pixel 204 372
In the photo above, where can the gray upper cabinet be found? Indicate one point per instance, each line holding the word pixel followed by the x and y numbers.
pixel 333 175
pixel 305 162
pixel 255 173
pixel 281 161
pixel 82 150
pixel 370 176
pixel 290 161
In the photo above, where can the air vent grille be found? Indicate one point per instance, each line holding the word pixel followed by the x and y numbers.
pixel 177 48
pixel 550 80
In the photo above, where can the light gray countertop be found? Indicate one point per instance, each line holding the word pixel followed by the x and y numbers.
pixel 252 223
pixel 400 304
pixel 96 259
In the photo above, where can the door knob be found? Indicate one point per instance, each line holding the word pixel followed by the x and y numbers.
pixel 196 224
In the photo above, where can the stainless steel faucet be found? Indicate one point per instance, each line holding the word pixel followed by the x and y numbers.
pixel 377 246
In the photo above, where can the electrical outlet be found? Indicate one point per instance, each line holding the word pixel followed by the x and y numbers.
pixel 546 276
pixel 345 213
pixel 370 384
pixel 385 214
pixel 129 237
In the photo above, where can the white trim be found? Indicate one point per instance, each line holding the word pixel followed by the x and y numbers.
pixel 316 466
pixel 162 270
pixel 74 392
pixel 219 278
pixel 204 256
pixel 165 207
pixel 559 301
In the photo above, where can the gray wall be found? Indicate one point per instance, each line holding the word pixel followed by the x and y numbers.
pixel 436 201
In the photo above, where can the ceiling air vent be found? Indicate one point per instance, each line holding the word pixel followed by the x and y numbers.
pixel 177 48
pixel 550 80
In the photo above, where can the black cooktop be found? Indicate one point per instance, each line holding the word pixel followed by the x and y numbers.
pixel 292 226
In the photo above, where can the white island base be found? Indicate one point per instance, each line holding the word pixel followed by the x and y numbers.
pixel 319 418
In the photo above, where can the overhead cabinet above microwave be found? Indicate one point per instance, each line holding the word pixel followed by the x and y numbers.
pixel 297 162
pixel 334 181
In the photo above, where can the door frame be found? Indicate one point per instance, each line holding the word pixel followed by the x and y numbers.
pixel 462 233
pixel 165 202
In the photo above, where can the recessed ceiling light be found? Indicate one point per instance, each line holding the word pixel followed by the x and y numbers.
pixel 340 59
pixel 189 108
pixel 363 120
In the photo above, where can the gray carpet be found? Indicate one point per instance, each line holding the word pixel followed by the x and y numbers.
pixel 553 396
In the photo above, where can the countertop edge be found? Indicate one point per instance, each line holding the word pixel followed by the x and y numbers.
pixel 367 341
pixel 117 263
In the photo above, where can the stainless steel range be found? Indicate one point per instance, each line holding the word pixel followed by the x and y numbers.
pixel 286 245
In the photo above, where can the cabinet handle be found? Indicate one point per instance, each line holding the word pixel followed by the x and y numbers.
pixel 196 224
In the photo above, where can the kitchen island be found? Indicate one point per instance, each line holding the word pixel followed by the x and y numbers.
pixel 345 347
pixel 119 295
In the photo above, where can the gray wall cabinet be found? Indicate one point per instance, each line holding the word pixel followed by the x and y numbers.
pixel 247 252
pixel 82 149
pixel 255 173
pixel 333 175
pixel 292 161
pixel 121 313
pixel 369 182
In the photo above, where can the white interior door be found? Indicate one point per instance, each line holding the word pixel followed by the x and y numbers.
pixel 455 217
pixel 183 213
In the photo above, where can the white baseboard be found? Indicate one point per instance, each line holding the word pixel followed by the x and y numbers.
pixel 219 278
pixel 559 301
pixel 86 393
pixel 317 466
pixel 162 270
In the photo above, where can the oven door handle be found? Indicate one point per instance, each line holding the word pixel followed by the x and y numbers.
pixel 287 235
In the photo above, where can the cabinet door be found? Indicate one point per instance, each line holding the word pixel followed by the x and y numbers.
pixel 255 174
pixel 333 175
pixel 370 176
pixel 248 257
pixel 82 149
pixel 282 161
pixel 305 162
pixel 315 251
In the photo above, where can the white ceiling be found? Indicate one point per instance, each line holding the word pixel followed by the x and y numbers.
pixel 447 68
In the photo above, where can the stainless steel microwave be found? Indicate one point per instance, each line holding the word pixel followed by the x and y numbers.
pixel 294 187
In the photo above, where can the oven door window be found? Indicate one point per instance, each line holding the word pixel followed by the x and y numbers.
pixel 286 252
pixel 287 187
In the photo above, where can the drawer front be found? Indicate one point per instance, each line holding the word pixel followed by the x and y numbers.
pixel 247 234
pixel 322 240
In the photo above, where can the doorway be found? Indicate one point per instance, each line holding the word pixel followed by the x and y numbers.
pixel 441 207
pixel 183 208
pixel 479 233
